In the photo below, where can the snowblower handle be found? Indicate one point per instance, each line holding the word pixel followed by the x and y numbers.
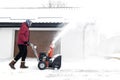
pixel 31 44
pixel 34 47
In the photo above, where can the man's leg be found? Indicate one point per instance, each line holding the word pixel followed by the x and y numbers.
pixel 12 63
pixel 24 57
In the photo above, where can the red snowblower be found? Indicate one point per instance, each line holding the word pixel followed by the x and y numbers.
pixel 47 60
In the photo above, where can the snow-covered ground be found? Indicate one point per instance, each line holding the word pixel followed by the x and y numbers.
pixel 94 68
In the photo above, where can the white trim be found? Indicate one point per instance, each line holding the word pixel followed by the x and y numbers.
pixel 40 29
pixel 45 29
pixel 13 43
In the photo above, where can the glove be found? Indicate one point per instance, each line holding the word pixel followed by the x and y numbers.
pixel 26 42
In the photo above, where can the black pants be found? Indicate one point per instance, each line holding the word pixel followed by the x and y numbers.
pixel 22 53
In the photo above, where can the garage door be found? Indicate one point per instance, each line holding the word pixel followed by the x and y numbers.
pixel 42 39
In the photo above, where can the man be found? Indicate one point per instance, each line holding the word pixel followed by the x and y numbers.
pixel 22 42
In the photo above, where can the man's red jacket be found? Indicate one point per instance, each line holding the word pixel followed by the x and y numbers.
pixel 23 34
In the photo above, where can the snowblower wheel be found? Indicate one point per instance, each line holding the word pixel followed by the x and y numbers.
pixel 42 65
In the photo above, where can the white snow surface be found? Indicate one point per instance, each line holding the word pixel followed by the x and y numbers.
pixel 93 68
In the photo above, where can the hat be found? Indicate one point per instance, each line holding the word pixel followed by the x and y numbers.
pixel 29 22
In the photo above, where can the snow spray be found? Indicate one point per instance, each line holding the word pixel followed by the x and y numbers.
pixel 70 26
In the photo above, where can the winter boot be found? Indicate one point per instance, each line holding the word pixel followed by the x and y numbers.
pixel 12 63
pixel 23 65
